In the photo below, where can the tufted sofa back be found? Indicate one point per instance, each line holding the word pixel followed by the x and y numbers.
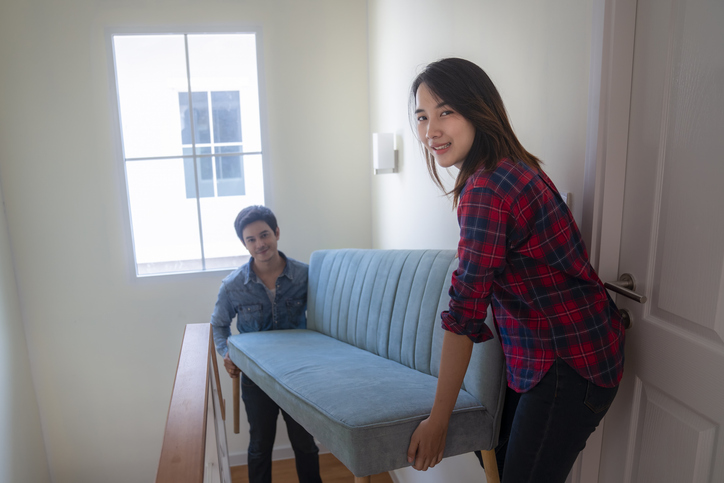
pixel 388 302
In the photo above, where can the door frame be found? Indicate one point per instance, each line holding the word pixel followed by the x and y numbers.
pixel 609 102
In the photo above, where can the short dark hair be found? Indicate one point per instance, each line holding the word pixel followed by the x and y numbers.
pixel 253 213
pixel 466 88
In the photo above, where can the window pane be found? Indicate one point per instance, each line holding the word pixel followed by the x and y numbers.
pixel 164 221
pixel 227 63
pixel 205 177
pixel 221 245
pixel 228 167
pixel 227 118
pixel 229 172
pixel 207 171
pixel 254 189
pixel 200 102
pixel 151 71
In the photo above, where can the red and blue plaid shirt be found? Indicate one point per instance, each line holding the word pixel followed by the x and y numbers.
pixel 520 250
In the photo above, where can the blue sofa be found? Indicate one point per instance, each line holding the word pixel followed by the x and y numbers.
pixel 362 375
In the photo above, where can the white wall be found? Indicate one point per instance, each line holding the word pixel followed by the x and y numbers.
pixel 104 346
pixel 537 54
pixel 22 454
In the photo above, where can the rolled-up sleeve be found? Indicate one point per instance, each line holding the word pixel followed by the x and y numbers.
pixel 221 320
pixel 482 252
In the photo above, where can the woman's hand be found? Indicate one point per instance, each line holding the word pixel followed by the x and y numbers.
pixel 427 444
pixel 428 441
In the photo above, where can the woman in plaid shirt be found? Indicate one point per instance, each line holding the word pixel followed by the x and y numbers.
pixel 521 252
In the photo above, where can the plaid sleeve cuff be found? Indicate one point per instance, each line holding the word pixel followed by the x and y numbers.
pixel 475 330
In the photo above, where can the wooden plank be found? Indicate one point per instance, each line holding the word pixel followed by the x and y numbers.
pixel 212 355
pixel 184 440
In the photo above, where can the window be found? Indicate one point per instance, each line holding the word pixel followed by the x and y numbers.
pixel 224 177
pixel 191 140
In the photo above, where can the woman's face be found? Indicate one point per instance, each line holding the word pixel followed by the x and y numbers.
pixel 447 135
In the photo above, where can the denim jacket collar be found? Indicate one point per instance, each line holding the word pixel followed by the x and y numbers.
pixel 249 274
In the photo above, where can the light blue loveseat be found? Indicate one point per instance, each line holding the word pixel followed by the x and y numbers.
pixel 363 374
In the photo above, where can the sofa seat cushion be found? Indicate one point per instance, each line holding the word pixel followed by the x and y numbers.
pixel 363 407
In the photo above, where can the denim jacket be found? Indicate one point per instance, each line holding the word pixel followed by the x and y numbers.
pixel 244 296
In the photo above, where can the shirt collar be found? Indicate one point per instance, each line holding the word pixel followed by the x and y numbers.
pixel 249 274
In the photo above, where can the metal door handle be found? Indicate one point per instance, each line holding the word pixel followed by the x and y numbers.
pixel 625 285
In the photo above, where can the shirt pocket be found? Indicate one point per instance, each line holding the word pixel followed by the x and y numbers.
pixel 251 317
pixel 295 312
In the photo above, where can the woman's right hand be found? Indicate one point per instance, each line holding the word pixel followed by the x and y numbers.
pixel 428 441
pixel 427 444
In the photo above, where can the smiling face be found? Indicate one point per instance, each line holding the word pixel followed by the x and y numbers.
pixel 261 241
pixel 446 134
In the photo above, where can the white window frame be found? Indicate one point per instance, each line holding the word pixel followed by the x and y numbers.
pixel 117 139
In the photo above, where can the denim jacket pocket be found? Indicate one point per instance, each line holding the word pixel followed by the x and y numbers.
pixel 251 317
pixel 295 309
pixel 598 399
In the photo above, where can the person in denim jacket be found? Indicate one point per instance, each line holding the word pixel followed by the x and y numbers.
pixel 269 292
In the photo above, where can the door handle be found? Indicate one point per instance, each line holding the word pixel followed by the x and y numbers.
pixel 625 285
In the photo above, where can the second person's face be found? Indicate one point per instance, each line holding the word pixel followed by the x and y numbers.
pixel 261 241
pixel 446 134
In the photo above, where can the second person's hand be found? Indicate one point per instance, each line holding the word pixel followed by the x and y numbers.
pixel 231 367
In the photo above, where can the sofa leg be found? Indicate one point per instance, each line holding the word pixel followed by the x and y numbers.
pixel 362 479
pixel 235 382
pixel 491 466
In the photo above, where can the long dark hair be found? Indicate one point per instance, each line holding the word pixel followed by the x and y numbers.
pixel 467 89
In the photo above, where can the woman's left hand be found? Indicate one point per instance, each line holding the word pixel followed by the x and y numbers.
pixel 427 444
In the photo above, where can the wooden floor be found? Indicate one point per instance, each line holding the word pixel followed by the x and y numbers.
pixel 284 472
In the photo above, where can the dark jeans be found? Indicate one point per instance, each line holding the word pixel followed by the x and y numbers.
pixel 262 413
pixel 544 429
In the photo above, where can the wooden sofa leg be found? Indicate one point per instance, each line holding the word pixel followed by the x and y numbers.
pixel 362 479
pixel 491 466
pixel 237 402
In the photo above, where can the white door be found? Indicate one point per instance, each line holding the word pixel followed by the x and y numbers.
pixel 666 424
